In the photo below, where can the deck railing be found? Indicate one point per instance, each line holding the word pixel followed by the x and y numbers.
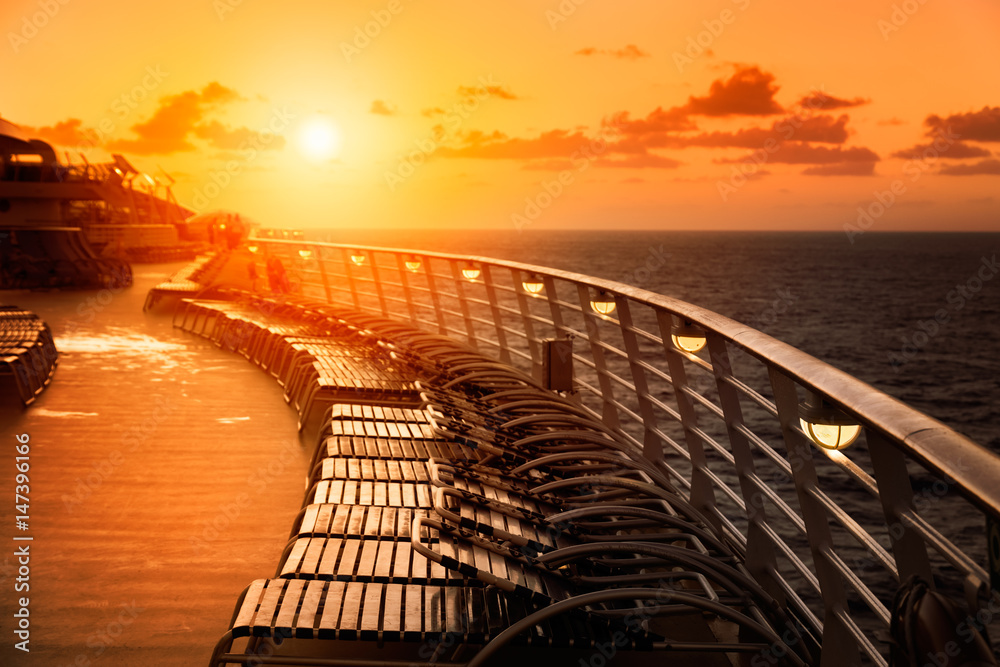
pixel 831 533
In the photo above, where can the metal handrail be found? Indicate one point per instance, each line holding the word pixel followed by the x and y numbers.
pixel 708 410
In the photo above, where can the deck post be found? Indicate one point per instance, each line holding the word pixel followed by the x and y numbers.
pixel 896 493
pixel 840 644
pixel 702 493
pixel 609 413
pixel 652 445
pixel 470 328
pixel 524 305
pixel 491 296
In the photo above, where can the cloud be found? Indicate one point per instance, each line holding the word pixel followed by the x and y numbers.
pixel 658 120
pixel 495 91
pixel 982 125
pixel 219 136
pixel 991 167
pixel 643 161
pixel 892 121
pixel 432 112
pixel 176 117
pixel 630 52
pixel 842 169
pixel 66 133
pixel 551 144
pixel 382 108
pixel 823 102
pixel 956 151
pixel 748 92
pixel 820 129
pixel 803 153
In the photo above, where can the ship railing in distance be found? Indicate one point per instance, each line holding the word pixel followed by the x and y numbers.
pixel 723 409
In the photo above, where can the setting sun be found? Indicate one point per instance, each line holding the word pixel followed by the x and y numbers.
pixel 319 140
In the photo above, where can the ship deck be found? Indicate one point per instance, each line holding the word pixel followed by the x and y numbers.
pixel 139 448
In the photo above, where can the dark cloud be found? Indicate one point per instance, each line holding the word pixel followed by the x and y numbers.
pixel 955 151
pixel 175 119
pixel 803 153
pixel 748 92
pixel 66 133
pixel 823 102
pixel 495 91
pixel 991 167
pixel 842 169
pixel 982 125
pixel 551 144
pixel 630 52
pixel 644 161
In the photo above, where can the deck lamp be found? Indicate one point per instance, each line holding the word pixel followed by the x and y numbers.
pixel 305 254
pixel 602 303
pixel 358 257
pixel 533 284
pixel 687 336
pixel 471 272
pixel 413 264
pixel 252 248
pixel 825 425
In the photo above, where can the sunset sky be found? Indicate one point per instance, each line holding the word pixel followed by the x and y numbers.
pixel 732 114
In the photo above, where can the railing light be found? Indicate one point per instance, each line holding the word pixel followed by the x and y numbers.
pixel 687 337
pixel 471 272
pixel 603 303
pixel 825 425
pixel 413 264
pixel 358 258
pixel 252 248
pixel 305 254
pixel 533 284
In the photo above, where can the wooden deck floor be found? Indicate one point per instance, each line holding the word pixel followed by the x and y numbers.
pixel 165 474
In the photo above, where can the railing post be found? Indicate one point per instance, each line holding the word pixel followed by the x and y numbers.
pixel 491 296
pixel 378 286
pixel 351 283
pixel 702 492
pixel 652 444
pixel 322 273
pixel 524 305
pixel 609 413
pixel 761 560
pixel 840 646
pixel 436 297
pixel 896 494
pixel 405 283
pixel 470 329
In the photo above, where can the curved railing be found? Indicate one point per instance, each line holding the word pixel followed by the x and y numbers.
pixel 831 533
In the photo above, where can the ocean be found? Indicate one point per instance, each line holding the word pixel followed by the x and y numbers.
pixel 913 314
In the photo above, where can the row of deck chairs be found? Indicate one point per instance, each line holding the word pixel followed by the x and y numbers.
pixel 28 354
pixel 466 516
pixel 188 281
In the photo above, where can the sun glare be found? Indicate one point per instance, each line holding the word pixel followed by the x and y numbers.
pixel 319 140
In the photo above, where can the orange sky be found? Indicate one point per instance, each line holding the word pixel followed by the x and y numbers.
pixel 532 114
